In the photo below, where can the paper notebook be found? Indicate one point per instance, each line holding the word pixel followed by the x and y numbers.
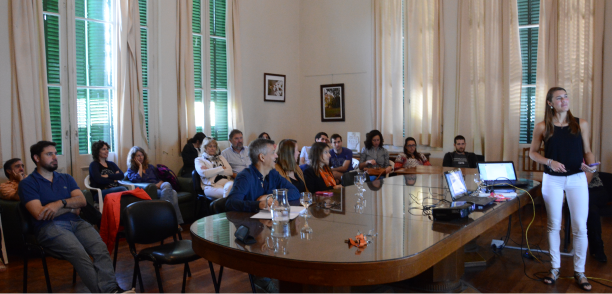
pixel 266 214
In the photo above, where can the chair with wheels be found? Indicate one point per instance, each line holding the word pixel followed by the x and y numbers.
pixel 153 221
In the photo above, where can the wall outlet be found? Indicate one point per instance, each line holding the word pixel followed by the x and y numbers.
pixel 497 243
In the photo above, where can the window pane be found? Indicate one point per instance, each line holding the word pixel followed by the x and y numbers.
pixel 94 118
pixel 55 113
pixel 52 48
pixel 145 102
pixel 81 53
pixel 197 61
pixel 142 8
pixel 196 17
pixel 218 64
pixel 528 12
pixel 50 6
pixel 529 54
pixel 527 116
pixel 93 9
pixel 217 18
pixel 219 131
pixel 93 50
pixel 144 56
pixel 79 7
pixel 199 109
pixel 82 120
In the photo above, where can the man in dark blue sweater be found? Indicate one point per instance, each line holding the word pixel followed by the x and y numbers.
pixel 255 183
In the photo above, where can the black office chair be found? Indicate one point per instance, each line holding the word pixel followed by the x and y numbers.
pixel 31 245
pixel 202 201
pixel 217 206
pixel 153 221
pixel 124 202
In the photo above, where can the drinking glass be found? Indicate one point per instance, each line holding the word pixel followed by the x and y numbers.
pixel 477 181
pixel 306 200
pixel 306 231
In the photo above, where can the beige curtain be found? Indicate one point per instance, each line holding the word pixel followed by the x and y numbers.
pixel 184 72
pixel 489 78
pixel 423 78
pixel 570 48
pixel 386 110
pixel 30 120
pixel 132 128
pixel 234 66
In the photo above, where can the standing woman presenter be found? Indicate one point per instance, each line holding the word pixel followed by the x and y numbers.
pixel 567 148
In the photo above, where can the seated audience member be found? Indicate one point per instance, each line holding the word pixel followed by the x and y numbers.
pixel 373 154
pixel 54 200
pixel 341 158
pixel 318 175
pixel 460 158
pixel 320 137
pixel 264 135
pixel 255 183
pixel 104 174
pixel 214 170
pixel 410 157
pixel 236 155
pixel 190 152
pixel 286 164
pixel 14 171
pixel 141 171
pixel 599 196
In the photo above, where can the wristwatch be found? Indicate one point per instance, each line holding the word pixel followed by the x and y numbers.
pixel 64 202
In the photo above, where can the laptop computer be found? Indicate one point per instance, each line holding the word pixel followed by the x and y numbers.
pixel 459 192
pixel 499 175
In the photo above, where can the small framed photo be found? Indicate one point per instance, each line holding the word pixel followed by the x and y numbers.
pixel 274 87
pixel 332 102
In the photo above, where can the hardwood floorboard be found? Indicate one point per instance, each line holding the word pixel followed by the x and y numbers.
pixel 503 274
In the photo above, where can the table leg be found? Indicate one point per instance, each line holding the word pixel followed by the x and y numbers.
pixel 4 258
pixel 445 276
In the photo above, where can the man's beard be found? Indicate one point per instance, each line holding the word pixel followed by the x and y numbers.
pixel 50 167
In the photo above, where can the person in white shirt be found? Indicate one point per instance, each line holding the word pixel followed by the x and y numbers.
pixel 215 171
pixel 320 137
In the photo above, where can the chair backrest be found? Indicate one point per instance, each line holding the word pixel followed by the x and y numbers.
pixel 218 206
pixel 147 222
pixel 197 182
pixel 530 165
pixel 480 158
pixel 125 201
pixel 348 178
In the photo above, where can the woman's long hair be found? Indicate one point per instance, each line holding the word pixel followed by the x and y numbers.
pixel 315 158
pixel 549 113
pixel 131 161
pixel 286 155
pixel 369 136
pixel 199 137
pixel 416 154
pixel 95 149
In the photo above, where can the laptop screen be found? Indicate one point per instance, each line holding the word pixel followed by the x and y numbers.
pixel 501 172
pixel 455 182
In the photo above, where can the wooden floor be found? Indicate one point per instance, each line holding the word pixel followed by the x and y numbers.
pixel 504 273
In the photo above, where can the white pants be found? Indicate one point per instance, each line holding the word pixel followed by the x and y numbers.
pixel 220 189
pixel 577 195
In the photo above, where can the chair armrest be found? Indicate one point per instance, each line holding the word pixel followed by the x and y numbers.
pixel 88 196
pixel 151 189
pixel 128 185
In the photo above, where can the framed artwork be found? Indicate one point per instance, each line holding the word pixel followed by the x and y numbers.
pixel 274 87
pixel 332 102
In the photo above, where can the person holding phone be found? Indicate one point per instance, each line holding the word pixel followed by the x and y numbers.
pixel 567 159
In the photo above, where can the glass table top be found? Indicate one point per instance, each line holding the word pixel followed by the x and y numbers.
pixel 388 210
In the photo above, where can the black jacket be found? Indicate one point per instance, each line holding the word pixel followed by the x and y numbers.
pixel 450 156
pixel 314 182
pixel 189 155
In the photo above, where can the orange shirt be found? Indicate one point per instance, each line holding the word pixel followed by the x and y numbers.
pixel 8 191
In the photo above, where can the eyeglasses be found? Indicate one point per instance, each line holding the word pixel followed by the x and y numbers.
pixel 410 145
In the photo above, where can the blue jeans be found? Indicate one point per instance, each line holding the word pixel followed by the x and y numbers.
pixel 165 192
pixel 75 241
pixel 113 190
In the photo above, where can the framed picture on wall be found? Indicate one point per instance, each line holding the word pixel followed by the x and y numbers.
pixel 274 87
pixel 332 102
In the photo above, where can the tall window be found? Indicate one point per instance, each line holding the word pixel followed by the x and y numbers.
pixel 52 49
pixel 218 114
pixel 528 16
pixel 144 53
pixel 94 40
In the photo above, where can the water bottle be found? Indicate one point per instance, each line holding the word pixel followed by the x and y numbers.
pixel 280 207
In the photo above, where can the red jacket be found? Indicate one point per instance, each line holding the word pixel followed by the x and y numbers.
pixel 111 215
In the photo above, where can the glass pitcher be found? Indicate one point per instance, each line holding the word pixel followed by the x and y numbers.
pixel 280 206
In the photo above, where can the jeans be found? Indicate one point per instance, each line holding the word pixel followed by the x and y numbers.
pixel 75 241
pixel 113 190
pixel 577 195
pixel 165 192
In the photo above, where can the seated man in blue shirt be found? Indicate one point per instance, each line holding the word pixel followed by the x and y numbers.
pixel 253 184
pixel 341 158
pixel 54 200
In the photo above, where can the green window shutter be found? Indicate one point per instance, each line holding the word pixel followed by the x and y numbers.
pixel 196 16
pixel 50 6
pixel 96 49
pixel 217 18
pixel 144 54
pixel 52 48
pixel 79 8
pixel 528 14
pixel 142 9
pixel 55 113
pixel 220 130
pixel 218 64
pixel 81 53
pixel 101 116
pixel 145 102
pixel 82 120
pixel 197 61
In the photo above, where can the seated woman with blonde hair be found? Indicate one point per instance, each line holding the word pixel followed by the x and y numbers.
pixel 215 171
pixel 286 164
pixel 318 174
pixel 141 171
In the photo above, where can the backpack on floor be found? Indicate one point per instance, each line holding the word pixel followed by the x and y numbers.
pixel 167 175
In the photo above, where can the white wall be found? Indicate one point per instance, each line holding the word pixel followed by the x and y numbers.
pixel 337 42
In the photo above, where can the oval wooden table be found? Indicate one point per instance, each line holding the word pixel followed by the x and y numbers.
pixel 407 244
